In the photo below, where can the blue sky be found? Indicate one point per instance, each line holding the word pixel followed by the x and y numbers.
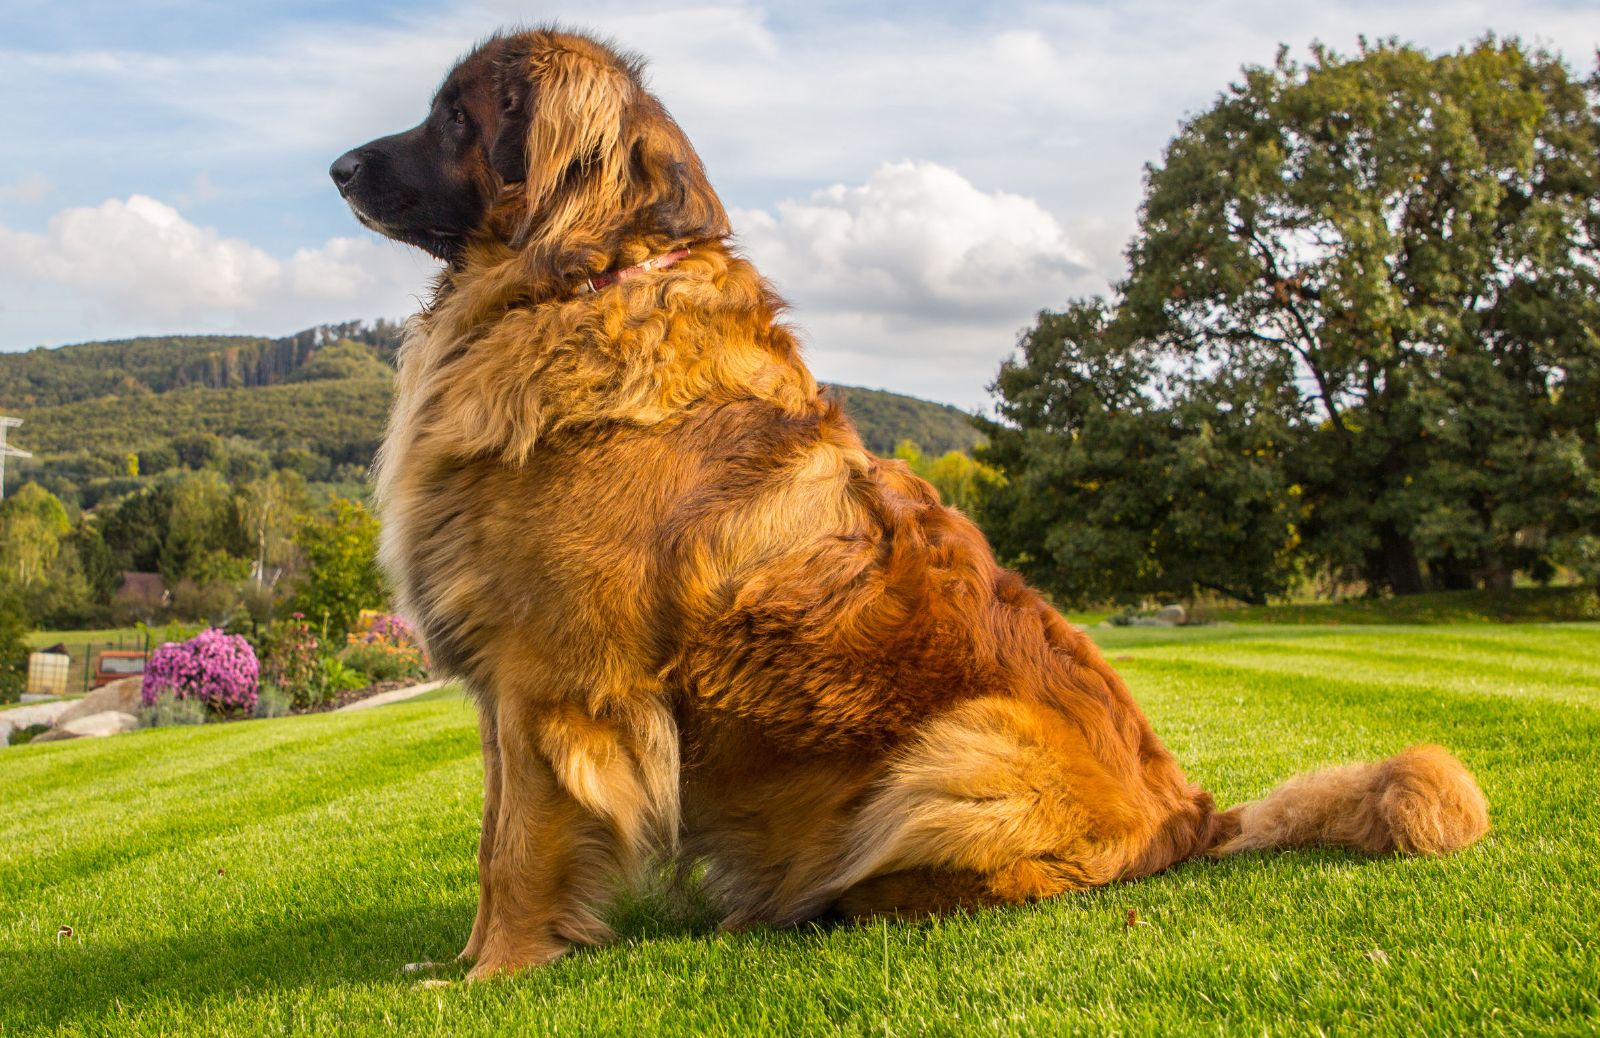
pixel 919 178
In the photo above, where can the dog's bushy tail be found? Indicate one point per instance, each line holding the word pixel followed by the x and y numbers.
pixel 1420 801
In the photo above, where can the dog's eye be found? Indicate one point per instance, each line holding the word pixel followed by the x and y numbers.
pixel 458 116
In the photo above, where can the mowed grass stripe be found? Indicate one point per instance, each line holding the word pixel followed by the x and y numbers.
pixel 290 889
pixel 325 892
pixel 1541 663
pixel 1510 644
pixel 110 761
pixel 199 790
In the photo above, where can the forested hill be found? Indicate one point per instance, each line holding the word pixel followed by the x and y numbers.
pixel 102 414
pixel 131 367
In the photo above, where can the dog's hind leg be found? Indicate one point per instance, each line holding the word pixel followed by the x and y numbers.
pixel 914 892
pixel 1003 801
pixel 491 802
pixel 581 800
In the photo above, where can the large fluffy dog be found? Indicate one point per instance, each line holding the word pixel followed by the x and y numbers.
pixel 700 619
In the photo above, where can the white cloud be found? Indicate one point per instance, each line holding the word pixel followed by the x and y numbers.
pixel 140 255
pixel 137 265
pixel 1051 103
pixel 919 240
pixel 915 279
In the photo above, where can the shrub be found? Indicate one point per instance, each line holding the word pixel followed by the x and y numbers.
pixel 218 670
pixel 272 701
pixel 297 666
pixel 384 662
pixel 293 661
pixel 169 710
pixel 13 650
pixel 28 734
pixel 390 626
pixel 336 678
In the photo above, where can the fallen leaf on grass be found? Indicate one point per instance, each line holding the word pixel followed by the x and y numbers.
pixel 1122 659
pixel 1132 920
pixel 1378 955
pixel 65 931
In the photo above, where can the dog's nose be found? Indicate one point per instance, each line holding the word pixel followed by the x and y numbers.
pixel 344 169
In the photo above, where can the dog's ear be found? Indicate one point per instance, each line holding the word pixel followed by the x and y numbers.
pixel 514 93
pixel 573 112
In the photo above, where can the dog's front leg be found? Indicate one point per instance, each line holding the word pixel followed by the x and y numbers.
pixel 577 806
pixel 487 732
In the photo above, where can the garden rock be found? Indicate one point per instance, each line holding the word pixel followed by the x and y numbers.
pixel 107 722
pixel 1172 616
pixel 122 695
pixel 28 716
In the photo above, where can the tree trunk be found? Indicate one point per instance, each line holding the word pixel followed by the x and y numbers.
pixel 1494 572
pixel 1452 573
pixel 1401 571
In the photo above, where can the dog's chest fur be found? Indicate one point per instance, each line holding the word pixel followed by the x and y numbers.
pixel 542 510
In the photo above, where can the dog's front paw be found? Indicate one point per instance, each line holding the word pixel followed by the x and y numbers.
pixel 497 961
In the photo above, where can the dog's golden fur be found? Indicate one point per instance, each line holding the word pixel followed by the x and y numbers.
pixel 701 620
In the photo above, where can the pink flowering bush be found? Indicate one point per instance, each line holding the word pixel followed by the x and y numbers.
pixel 216 669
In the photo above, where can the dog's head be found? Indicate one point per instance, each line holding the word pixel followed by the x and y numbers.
pixel 544 142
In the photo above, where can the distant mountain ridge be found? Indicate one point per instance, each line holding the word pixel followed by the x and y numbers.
pixel 44 377
pixel 324 392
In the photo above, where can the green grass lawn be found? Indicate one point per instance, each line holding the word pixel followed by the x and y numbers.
pixel 272 877
pixel 78 639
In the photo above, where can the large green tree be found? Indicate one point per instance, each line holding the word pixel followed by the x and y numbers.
pixel 268 508
pixel 1129 480
pixel 1386 267
pixel 32 524
pixel 203 530
pixel 341 575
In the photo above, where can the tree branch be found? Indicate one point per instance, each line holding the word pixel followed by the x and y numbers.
pixel 1304 349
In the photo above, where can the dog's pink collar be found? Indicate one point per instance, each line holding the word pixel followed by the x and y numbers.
pixel 610 278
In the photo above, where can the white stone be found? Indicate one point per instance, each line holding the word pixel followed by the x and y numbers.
pixel 1172 616
pixel 36 713
pixel 122 694
pixel 108 722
